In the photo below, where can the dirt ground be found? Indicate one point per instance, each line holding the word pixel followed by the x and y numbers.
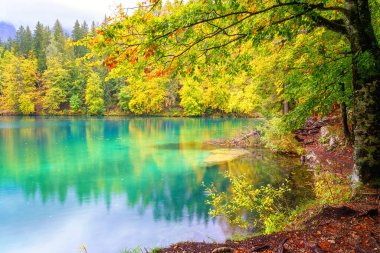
pixel 352 228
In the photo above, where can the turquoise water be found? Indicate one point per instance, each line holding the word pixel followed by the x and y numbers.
pixel 114 183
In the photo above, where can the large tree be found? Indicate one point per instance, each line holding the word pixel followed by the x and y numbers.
pixel 199 28
pixel 40 42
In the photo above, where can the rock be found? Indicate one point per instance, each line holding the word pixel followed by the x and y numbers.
pixel 223 250
pixel 242 250
pixel 259 248
pixel 325 133
pixel 331 136
pixel 311 121
pixel 332 142
pixel 224 155
pixel 308 142
pixel 311 158
pixel 314 131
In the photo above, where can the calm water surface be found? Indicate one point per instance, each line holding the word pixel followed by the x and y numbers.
pixel 114 183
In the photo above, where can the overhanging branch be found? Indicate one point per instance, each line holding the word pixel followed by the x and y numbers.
pixel 333 25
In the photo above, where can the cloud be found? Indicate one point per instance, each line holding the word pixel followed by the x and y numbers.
pixel 27 12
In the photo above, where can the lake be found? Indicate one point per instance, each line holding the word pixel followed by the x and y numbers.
pixel 116 183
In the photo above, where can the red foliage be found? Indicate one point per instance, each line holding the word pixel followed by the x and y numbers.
pixel 159 73
pixel 110 63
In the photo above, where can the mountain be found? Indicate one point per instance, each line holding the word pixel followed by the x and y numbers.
pixel 7 30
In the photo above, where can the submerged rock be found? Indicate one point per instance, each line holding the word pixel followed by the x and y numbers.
pixel 224 155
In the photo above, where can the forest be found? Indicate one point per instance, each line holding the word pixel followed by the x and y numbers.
pixel 98 71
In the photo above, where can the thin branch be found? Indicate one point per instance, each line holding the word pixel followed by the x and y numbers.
pixel 154 5
pixel 250 14
pixel 202 21
pixel 140 7
pixel 224 30
pixel 225 44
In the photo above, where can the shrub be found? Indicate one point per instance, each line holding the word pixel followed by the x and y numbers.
pixel 278 137
pixel 75 103
pixel 263 207
pixel 330 189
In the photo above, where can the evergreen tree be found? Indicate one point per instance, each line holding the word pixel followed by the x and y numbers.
pixel 20 34
pixel 84 29
pixel 59 36
pixel 28 41
pixel 93 28
pixel 23 42
pixel 40 40
pixel 79 32
pixel 76 33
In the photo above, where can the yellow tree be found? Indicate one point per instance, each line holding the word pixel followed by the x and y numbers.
pixel 56 79
pixel 94 95
pixel 18 80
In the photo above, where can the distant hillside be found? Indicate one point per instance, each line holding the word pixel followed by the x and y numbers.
pixel 7 30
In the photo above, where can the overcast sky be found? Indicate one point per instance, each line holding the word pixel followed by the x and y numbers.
pixel 28 12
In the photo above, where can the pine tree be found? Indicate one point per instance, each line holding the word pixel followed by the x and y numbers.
pixel 40 40
pixel 23 42
pixel 84 29
pixel 28 41
pixel 76 34
pixel 59 36
pixel 20 34
pixel 79 32
pixel 93 28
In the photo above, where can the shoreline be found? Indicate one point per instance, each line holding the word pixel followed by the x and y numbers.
pixel 352 227
pixel 345 226
pixel 138 116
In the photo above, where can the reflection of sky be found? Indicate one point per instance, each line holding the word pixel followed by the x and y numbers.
pixel 61 228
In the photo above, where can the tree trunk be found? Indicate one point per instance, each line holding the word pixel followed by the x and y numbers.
pixel 286 107
pixel 366 82
pixel 285 103
pixel 367 131
pixel 343 112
